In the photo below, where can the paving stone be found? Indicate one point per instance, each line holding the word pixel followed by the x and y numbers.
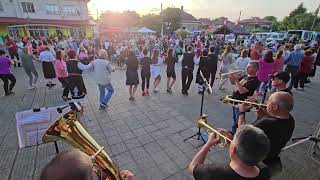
pixel 152 147
pixel 133 143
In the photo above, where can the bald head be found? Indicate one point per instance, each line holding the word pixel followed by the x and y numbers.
pixel 284 100
pixel 70 164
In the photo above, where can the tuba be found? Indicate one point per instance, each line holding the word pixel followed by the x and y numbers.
pixel 202 123
pixel 69 129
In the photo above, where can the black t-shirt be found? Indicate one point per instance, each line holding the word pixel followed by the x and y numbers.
pixel 145 62
pixel 170 61
pixel 212 61
pixel 250 83
pixel 279 132
pixel 217 172
pixel 287 90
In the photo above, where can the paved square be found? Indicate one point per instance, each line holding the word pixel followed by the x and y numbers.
pixel 145 136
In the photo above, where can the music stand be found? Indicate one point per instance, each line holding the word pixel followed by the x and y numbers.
pixel 205 86
pixel 315 139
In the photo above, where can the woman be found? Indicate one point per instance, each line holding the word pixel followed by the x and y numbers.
pixel 265 70
pixel 145 72
pixel 226 61
pixel 171 74
pixel 132 74
pixel 47 60
pixel 62 74
pixel 102 69
pixel 76 84
pixel 305 69
pixel 203 67
pixel 156 61
pixel 243 61
pixel 29 68
pixel 278 62
pixel 6 74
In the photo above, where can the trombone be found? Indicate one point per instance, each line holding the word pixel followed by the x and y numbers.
pixel 202 123
pixel 224 75
pixel 256 106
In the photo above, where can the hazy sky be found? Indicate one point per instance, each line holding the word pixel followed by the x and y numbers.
pixel 208 8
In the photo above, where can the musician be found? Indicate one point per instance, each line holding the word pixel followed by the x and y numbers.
pixel 278 125
pixel 248 147
pixel 244 87
pixel 188 61
pixel 75 164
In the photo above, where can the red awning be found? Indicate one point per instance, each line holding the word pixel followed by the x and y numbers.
pixel 20 21
pixel 112 30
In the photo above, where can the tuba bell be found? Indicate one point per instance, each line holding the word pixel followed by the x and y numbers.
pixel 202 123
pixel 68 128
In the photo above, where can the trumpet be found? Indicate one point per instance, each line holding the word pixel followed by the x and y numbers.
pixel 230 73
pixel 256 106
pixel 202 123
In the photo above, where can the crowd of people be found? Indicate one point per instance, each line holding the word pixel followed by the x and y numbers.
pixel 261 71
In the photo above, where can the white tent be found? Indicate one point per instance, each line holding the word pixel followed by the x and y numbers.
pixel 146 30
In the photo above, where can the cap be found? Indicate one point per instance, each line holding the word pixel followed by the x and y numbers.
pixel 284 76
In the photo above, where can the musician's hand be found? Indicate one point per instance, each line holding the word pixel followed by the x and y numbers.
pixel 244 108
pixel 225 133
pixel 127 175
pixel 261 113
pixel 212 140
pixel 252 99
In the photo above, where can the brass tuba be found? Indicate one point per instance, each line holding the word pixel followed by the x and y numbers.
pixel 202 123
pixel 69 129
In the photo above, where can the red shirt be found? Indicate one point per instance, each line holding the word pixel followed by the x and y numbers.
pixel 13 46
pixel 306 65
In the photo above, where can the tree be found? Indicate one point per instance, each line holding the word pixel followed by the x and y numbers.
pixel 172 16
pixel 270 18
pixel 152 21
pixel 299 10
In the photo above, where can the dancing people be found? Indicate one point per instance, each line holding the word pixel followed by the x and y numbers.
pixel 156 61
pixel 29 68
pixel 226 61
pixel 132 74
pixel 6 74
pixel 265 70
pixel 212 63
pixel 62 74
pixel 47 60
pixel 203 68
pixel 145 63
pixel 171 61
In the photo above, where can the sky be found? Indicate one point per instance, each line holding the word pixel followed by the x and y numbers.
pixel 207 8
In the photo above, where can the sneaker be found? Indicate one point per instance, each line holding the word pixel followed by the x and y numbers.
pixel 103 105
pixel 34 85
pixel 30 87
pixel 143 93
pixel 169 90
pixel 131 98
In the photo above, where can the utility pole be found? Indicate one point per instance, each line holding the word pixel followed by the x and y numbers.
pixel 161 21
pixel 315 17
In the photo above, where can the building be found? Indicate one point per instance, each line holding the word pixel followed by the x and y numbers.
pixel 38 18
pixel 256 23
pixel 221 21
pixel 206 21
pixel 188 21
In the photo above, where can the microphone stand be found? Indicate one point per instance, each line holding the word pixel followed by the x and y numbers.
pixel 204 87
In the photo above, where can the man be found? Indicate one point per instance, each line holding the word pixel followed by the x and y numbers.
pixel 74 164
pixel 244 87
pixel 213 64
pixel 293 61
pixel 188 60
pixel 13 50
pixel 280 80
pixel 278 125
pixel 248 147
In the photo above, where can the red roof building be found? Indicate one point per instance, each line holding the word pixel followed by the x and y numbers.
pixel 255 21
pixel 205 21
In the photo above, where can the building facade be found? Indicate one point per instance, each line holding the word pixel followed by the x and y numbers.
pixel 43 18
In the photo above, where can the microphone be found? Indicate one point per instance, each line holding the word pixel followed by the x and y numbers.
pixel 206 84
pixel 60 109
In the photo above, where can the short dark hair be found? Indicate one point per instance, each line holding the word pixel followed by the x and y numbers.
pixel 189 48
pixel 71 54
pixel 212 49
pixel 252 144
pixel 205 52
pixel 75 167
pixel 2 52
pixel 255 64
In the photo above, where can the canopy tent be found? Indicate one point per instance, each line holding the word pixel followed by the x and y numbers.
pixel 112 30
pixel 146 30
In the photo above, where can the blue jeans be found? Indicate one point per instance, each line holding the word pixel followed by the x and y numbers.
pixel 235 116
pixel 104 98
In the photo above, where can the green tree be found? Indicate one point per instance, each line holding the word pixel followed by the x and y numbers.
pixel 270 18
pixel 299 10
pixel 172 16
pixel 152 21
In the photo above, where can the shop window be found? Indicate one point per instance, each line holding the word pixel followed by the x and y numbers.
pixel 70 10
pixel 52 9
pixel 28 7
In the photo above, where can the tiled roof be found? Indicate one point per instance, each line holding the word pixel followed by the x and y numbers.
pixel 255 20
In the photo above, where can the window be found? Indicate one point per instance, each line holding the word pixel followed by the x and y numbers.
pixel 38 31
pixel 52 9
pixel 70 10
pixel 1 7
pixel 13 32
pixel 27 7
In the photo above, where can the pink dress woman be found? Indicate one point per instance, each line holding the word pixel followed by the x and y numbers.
pixel 278 65
pixel 265 70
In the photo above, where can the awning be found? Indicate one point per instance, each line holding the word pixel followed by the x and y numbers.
pixel 146 30
pixel 16 21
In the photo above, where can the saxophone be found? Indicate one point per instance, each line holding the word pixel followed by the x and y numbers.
pixel 68 128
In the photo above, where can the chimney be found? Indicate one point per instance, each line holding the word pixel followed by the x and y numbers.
pixel 181 8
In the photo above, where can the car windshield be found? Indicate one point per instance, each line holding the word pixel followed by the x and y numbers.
pixel 274 36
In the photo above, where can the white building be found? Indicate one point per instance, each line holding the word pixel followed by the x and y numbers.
pixel 44 17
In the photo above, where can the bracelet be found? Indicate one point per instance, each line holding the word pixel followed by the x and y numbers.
pixel 241 113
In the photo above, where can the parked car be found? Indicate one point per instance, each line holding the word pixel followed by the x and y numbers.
pixel 300 36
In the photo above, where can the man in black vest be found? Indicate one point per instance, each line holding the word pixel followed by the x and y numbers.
pixel 188 60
